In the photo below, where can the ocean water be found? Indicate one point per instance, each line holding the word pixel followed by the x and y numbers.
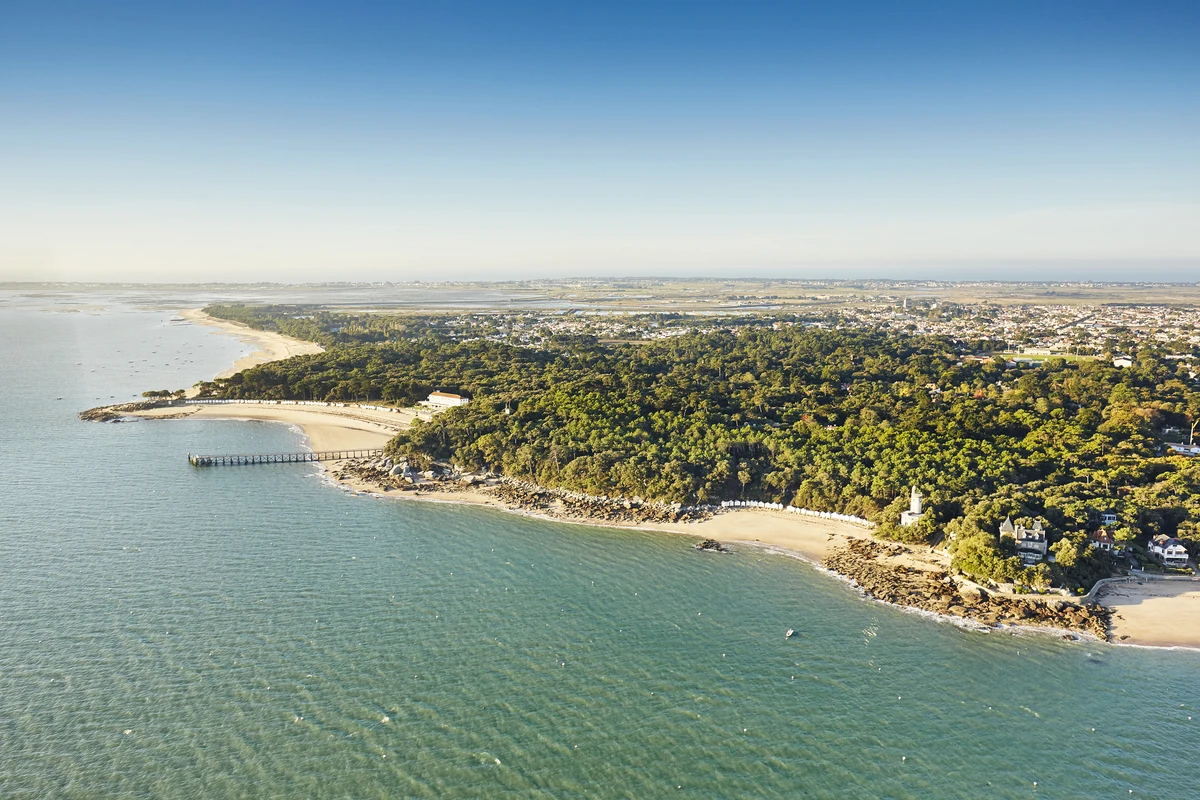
pixel 255 632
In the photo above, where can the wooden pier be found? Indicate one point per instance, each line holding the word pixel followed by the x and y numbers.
pixel 241 459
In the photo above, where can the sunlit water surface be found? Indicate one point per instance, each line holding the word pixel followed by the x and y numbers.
pixel 251 632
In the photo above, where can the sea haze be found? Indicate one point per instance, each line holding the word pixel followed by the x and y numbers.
pixel 257 632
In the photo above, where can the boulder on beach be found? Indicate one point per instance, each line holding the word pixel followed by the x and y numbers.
pixel 972 596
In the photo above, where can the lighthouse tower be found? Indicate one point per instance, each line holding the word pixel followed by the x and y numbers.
pixel 914 513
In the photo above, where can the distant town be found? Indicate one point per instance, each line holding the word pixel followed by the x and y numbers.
pixel 1023 332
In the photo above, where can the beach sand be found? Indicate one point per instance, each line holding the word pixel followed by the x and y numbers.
pixel 268 346
pixel 1159 613
pixel 807 537
pixel 327 428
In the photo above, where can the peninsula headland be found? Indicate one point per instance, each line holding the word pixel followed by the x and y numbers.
pixel 725 426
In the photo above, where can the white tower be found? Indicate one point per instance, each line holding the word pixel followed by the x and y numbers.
pixel 915 512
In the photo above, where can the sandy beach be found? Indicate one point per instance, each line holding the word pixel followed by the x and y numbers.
pixel 1157 613
pixel 808 537
pixel 269 346
pixel 325 427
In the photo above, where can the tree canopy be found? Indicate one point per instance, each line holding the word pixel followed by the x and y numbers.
pixel 833 420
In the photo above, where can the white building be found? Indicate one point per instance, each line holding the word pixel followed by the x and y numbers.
pixel 446 400
pixel 914 513
pixel 1170 551
pixel 1031 542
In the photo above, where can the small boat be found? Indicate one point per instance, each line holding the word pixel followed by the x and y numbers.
pixel 789 633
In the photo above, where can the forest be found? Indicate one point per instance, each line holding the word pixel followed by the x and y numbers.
pixel 837 420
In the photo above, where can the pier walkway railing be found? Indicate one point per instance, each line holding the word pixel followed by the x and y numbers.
pixel 240 459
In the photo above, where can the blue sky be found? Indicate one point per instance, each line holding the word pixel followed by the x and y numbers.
pixel 317 141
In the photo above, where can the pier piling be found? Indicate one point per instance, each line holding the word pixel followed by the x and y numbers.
pixel 243 459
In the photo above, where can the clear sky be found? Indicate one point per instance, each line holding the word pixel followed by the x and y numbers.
pixel 395 141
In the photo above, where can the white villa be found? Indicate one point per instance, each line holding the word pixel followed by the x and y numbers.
pixel 1031 542
pixel 446 400
pixel 1170 551
pixel 1101 539
pixel 914 513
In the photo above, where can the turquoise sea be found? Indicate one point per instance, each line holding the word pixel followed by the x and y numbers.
pixel 255 632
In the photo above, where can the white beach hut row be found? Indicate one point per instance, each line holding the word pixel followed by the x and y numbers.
pixel 807 512
pixel 225 401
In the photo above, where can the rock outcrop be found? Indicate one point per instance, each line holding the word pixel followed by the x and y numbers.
pixel 118 412
pixel 579 506
pixel 387 475
pixel 937 591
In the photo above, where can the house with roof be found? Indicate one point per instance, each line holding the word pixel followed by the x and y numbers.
pixel 446 400
pixel 1102 540
pixel 1170 551
pixel 1032 545
pixel 1108 518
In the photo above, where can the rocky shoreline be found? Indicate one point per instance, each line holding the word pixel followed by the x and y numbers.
pixel 603 509
pixel 388 474
pixel 118 412
pixel 861 560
